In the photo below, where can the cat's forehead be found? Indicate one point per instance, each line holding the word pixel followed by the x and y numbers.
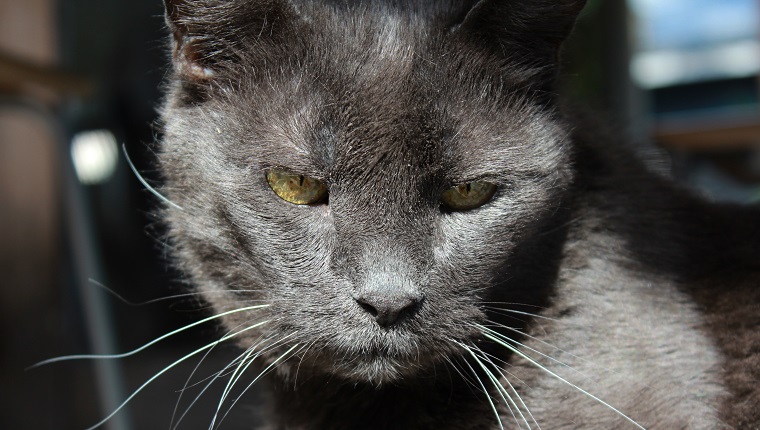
pixel 390 92
pixel 393 134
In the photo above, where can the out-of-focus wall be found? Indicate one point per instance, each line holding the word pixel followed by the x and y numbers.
pixel 27 29
pixel 29 217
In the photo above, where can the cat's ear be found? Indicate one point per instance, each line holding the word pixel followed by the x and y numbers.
pixel 208 35
pixel 188 58
pixel 533 28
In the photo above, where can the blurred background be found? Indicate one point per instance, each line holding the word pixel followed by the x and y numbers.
pixel 79 79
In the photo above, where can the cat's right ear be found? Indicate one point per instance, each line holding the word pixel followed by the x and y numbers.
pixel 209 36
pixel 188 53
pixel 188 58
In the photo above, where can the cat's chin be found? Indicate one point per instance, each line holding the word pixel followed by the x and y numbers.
pixel 377 373
pixel 371 369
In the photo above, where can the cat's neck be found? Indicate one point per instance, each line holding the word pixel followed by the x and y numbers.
pixel 442 401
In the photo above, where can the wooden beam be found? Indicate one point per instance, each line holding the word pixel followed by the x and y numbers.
pixel 709 134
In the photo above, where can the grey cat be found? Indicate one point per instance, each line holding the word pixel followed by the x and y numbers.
pixel 401 226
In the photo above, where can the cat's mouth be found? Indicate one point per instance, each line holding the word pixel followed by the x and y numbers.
pixel 379 364
pixel 358 349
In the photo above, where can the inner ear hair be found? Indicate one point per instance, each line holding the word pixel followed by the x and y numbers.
pixel 187 55
pixel 210 34
pixel 189 62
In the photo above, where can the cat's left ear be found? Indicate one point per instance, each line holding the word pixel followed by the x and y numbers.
pixel 208 35
pixel 523 28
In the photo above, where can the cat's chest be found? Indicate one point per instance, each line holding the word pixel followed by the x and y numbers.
pixel 620 348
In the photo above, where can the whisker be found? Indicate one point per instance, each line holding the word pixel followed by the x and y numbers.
pixel 508 339
pixel 512 317
pixel 494 360
pixel 556 348
pixel 147 345
pixel 513 311
pixel 166 369
pixel 456 368
pixel 486 357
pixel 166 298
pixel 488 396
pixel 513 304
pixel 535 363
pixel 210 380
pixel 261 374
pixel 508 401
pixel 233 379
pixel 145 183
pixel 218 374
pixel 303 355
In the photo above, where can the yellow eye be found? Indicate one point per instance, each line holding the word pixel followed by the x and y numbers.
pixel 296 189
pixel 468 196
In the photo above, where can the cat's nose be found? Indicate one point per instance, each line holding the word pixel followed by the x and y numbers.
pixel 388 308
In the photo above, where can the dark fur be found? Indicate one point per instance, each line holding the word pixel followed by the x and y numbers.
pixel 390 104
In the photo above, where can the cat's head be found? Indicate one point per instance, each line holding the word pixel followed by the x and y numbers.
pixel 377 174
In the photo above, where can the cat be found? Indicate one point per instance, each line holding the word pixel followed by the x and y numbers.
pixel 391 212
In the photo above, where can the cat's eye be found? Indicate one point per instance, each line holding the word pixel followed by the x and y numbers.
pixel 468 196
pixel 296 189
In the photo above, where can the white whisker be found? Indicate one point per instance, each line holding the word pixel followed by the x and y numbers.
pixel 508 401
pixel 303 355
pixel 514 390
pixel 165 369
pixel 513 311
pixel 553 347
pixel 210 380
pixel 262 373
pixel 512 304
pixel 548 357
pixel 535 363
pixel 175 422
pixel 456 368
pixel 244 364
pixel 147 345
pixel 488 396
pixel 165 298
pixel 145 183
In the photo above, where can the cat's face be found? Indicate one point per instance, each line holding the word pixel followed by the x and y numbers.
pixel 378 278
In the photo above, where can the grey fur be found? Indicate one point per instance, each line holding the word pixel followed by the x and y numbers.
pixel 390 105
